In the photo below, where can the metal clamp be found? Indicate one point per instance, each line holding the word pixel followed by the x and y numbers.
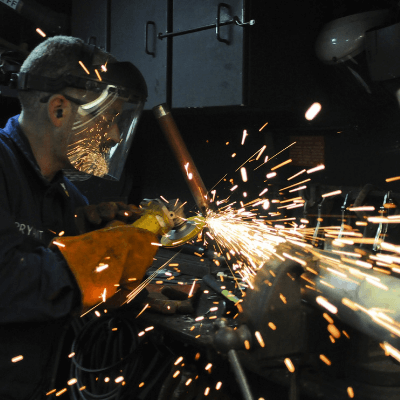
pixel 146 47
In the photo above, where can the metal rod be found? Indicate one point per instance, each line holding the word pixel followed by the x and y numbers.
pixel 185 161
pixel 239 374
pixel 200 28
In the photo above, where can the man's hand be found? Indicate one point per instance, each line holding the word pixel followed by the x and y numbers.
pixel 106 214
pixel 104 259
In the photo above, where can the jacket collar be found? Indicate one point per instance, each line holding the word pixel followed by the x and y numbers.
pixel 16 134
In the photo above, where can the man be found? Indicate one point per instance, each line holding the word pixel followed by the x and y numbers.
pixel 79 111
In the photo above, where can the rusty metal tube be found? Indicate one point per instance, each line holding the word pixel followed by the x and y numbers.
pixel 185 161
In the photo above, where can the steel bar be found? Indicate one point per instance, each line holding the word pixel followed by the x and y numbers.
pixel 363 298
pixel 239 374
pixel 185 161
pixel 198 29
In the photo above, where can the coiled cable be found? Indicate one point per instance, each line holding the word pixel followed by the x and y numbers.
pixel 108 358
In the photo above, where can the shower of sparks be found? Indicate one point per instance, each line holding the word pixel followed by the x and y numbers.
pixel 192 288
pixel 250 238
pixel 244 174
pixel 362 208
pixel 40 32
pixel 101 267
pixel 350 392
pixel 325 359
pixel 260 152
pixel 289 364
pixel 315 169
pixel 98 75
pixel 245 134
pixel 104 67
pixel 281 164
pixel 296 175
pixel 295 184
pixel 334 193
pixel 279 152
pixel 313 111
pixel 84 67
pixel 395 178
pixel 260 339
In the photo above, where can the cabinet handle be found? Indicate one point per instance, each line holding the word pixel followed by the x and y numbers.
pixel 218 24
pixel 146 42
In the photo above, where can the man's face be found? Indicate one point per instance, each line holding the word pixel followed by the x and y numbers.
pixel 89 149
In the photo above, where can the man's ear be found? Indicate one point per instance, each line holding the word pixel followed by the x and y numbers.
pixel 59 110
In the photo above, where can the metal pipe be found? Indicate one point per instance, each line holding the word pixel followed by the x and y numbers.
pixel 201 28
pixel 239 374
pixel 362 298
pixel 185 161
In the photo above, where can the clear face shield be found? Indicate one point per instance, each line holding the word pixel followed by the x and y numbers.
pixel 102 134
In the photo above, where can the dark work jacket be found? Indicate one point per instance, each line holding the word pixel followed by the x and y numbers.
pixel 37 290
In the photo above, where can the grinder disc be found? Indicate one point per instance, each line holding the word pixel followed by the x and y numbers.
pixel 176 237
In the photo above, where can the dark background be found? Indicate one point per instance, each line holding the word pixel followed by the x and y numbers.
pixel 360 131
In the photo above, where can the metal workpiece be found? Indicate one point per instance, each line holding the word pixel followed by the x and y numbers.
pixel 362 298
pixel 274 308
pixel 185 161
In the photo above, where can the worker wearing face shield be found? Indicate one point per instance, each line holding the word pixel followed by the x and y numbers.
pixel 80 109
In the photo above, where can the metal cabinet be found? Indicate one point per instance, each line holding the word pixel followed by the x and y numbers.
pixel 185 59
pixel 134 25
pixel 89 20
pixel 207 65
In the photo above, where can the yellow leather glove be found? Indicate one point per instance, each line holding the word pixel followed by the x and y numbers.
pixel 101 260
pixel 89 218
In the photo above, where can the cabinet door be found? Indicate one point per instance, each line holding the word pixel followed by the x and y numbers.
pixel 207 72
pixel 89 19
pixel 134 28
